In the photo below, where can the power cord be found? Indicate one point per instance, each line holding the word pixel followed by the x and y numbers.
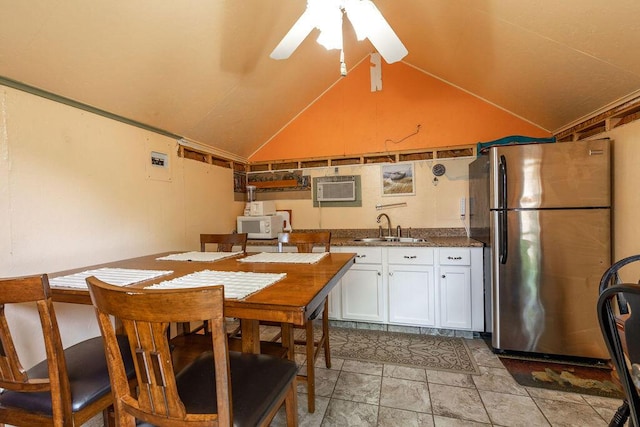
pixel 418 126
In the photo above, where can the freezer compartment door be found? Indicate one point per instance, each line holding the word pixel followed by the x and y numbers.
pixel 561 175
pixel 544 296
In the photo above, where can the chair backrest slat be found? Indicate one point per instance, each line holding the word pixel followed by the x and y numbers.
pixel 306 241
pixel 224 242
pixel 10 367
pixel 145 315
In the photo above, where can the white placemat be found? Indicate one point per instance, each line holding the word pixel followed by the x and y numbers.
pixel 198 256
pixel 286 257
pixel 237 284
pixel 113 276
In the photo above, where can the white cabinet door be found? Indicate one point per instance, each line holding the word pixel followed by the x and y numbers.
pixel 334 298
pixel 362 297
pixel 411 295
pixel 455 297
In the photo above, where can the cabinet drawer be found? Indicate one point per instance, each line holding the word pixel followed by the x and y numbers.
pixel 455 256
pixel 365 255
pixel 411 256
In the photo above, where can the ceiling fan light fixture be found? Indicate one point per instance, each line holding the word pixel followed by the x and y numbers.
pixel 296 35
pixel 358 13
pixel 327 15
pixel 330 26
pixel 369 23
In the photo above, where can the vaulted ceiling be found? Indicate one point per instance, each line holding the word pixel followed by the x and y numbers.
pixel 201 68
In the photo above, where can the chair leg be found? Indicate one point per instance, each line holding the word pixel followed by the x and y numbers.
pixel 183 328
pixel 325 332
pixel 621 415
pixel 108 417
pixel 291 405
pixel 311 381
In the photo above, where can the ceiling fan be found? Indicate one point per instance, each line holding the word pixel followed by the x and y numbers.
pixel 326 15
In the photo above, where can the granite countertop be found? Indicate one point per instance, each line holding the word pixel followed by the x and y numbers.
pixel 431 238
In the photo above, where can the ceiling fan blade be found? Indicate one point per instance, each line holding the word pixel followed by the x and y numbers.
pixel 294 37
pixel 368 22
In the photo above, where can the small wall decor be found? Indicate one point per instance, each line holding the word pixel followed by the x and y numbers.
pixel 397 179
pixel 438 170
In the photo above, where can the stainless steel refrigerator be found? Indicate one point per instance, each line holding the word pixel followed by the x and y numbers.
pixel 543 210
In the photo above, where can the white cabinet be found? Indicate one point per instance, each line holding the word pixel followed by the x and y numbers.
pixel 361 289
pixel 454 284
pixel 435 287
pixel 460 288
pixel 411 286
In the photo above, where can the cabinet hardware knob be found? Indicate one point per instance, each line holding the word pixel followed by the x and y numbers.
pixel 379 274
pixel 391 273
pixel 444 277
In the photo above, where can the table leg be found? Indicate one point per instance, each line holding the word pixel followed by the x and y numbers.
pixel 250 336
pixel 288 340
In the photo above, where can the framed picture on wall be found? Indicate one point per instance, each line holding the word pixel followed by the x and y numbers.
pixel 397 179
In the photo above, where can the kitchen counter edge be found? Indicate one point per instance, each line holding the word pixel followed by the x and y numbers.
pixel 430 242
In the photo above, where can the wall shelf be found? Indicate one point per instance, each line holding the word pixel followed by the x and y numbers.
pixel 365 159
pixel 603 122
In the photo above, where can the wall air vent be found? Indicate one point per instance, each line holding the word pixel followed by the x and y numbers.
pixel 336 188
pixel 332 189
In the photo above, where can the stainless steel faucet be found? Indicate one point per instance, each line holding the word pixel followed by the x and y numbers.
pixel 388 222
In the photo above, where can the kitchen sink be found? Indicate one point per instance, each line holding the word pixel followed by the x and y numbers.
pixel 410 240
pixel 375 239
pixel 390 239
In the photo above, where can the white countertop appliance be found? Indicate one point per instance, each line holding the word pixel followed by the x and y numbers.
pixel 260 227
pixel 267 207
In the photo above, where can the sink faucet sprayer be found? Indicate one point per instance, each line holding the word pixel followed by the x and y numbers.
pixel 388 223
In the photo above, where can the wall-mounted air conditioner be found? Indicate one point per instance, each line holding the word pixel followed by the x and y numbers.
pixel 336 189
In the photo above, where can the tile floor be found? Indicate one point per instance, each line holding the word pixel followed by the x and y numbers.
pixel 354 393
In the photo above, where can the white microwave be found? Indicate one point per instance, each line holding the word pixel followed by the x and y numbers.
pixel 260 227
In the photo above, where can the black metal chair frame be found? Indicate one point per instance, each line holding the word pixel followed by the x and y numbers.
pixel 609 289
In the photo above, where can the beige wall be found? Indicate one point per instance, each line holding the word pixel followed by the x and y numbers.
pixel 626 196
pixel 432 206
pixel 75 190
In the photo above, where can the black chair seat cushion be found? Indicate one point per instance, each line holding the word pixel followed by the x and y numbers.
pixel 88 377
pixel 257 381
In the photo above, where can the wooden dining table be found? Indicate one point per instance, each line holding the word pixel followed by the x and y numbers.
pixel 289 301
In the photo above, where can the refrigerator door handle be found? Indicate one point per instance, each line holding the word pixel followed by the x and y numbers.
pixel 502 214
pixel 502 177
pixel 502 218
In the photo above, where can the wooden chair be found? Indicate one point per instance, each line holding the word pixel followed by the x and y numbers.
pixel 619 316
pixel 71 385
pixel 305 242
pixel 224 242
pixel 219 388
